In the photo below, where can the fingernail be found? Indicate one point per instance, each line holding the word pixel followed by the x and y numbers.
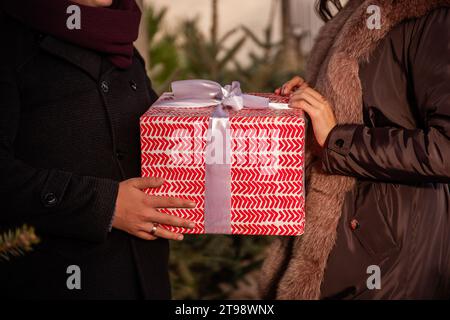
pixel 191 225
pixel 180 237
pixel 192 204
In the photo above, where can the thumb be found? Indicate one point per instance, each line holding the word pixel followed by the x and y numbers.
pixel 144 183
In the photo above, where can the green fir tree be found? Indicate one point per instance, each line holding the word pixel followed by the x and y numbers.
pixel 18 242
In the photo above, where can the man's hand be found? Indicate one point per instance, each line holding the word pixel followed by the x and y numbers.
pixel 137 212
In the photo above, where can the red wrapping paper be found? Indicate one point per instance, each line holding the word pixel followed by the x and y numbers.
pixel 267 165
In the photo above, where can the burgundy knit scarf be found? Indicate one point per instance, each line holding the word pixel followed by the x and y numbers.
pixel 110 31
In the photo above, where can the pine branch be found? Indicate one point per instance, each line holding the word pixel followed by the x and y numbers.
pixel 18 242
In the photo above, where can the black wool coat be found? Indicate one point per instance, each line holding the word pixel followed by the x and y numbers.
pixel 69 133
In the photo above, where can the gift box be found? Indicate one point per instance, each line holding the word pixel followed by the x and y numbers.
pixel 239 157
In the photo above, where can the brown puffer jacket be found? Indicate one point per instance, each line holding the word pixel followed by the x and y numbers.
pixel 378 195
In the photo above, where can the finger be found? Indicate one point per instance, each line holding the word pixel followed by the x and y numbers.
pixel 145 235
pixel 144 183
pixel 290 85
pixel 301 87
pixel 304 85
pixel 312 100
pixel 170 220
pixel 161 232
pixel 313 93
pixel 278 91
pixel 305 106
pixel 170 202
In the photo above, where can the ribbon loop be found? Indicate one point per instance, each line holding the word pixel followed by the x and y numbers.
pixel 206 93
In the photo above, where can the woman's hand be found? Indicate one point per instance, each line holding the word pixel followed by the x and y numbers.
pixel 315 105
pixel 318 109
pixel 137 212
pixel 291 86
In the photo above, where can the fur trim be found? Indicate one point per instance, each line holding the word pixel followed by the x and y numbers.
pixel 295 267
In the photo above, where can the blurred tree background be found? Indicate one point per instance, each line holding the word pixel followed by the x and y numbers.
pixel 14 243
pixel 211 266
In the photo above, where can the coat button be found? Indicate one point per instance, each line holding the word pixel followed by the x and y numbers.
pixel 354 224
pixel 339 143
pixel 105 86
pixel 133 85
pixel 50 199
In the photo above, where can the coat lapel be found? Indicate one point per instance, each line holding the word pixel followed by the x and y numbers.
pixel 87 60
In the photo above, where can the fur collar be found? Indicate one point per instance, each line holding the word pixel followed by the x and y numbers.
pixel 294 268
